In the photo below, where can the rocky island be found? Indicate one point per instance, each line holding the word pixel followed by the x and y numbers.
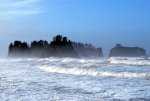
pixel 59 47
pixel 119 50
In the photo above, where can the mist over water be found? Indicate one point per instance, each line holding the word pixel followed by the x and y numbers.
pixel 81 79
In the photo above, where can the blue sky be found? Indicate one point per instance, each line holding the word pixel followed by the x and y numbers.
pixel 100 22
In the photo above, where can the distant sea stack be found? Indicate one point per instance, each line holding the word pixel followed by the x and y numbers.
pixel 119 50
pixel 87 50
pixel 59 47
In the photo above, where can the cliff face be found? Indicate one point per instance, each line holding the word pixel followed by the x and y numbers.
pixel 59 47
pixel 127 51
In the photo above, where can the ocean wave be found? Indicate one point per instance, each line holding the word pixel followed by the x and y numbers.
pixel 85 62
pixel 100 61
pixel 77 71
pixel 130 61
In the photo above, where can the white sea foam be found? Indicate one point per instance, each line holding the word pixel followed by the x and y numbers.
pixel 68 79
pixel 130 61
pixel 100 61
pixel 77 71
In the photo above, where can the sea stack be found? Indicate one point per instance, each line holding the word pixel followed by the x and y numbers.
pixel 59 47
pixel 119 51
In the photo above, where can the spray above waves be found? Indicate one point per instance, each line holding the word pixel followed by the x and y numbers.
pixel 130 61
pixel 123 61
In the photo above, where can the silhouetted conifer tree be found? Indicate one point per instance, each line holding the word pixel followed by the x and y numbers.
pixel 10 47
pixel 118 45
pixel 60 46
pixel 25 45
pixel 17 43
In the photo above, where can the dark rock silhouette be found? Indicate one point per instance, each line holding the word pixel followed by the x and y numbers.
pixel 87 50
pixel 59 47
pixel 62 47
pixel 119 50
pixel 18 49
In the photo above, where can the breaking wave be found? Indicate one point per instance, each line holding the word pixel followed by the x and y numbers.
pixel 141 61
pixel 130 61
pixel 83 79
pixel 77 71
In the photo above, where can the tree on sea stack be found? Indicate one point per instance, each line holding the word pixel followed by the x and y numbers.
pixel 118 45
pixel 59 47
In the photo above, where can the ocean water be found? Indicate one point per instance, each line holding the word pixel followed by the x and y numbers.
pixel 72 79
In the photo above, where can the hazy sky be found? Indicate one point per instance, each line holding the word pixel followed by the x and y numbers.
pixel 100 22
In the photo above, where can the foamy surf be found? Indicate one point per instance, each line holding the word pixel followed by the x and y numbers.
pixel 77 71
pixel 129 61
pixel 45 79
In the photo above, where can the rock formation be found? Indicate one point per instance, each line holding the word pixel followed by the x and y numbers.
pixel 59 47
pixel 87 50
pixel 119 50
